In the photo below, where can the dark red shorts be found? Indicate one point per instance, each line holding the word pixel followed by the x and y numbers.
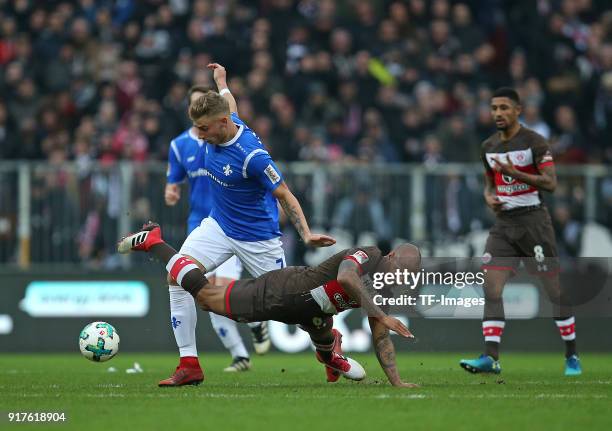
pixel 254 302
pixel 524 234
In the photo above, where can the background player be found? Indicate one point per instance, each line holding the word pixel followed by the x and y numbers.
pixel 245 185
pixel 307 296
pixel 186 160
pixel 518 164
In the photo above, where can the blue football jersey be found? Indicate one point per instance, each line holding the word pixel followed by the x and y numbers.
pixel 186 159
pixel 243 177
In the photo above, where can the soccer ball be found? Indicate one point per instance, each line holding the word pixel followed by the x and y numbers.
pixel 99 341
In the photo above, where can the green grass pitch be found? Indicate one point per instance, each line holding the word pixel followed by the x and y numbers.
pixel 289 392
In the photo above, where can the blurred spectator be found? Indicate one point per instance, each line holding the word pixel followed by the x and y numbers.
pixel 569 145
pixel 485 126
pixel 361 212
pixel 25 104
pixel 59 71
pixel 320 108
pixel 568 231
pixel 532 120
pixel 8 144
pixel 605 209
pixel 54 215
pixel 129 141
pixel 314 150
pixel 458 142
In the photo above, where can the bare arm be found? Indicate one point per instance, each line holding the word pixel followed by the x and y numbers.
pixel 172 193
pixel 294 212
pixel 490 196
pixel 545 180
pixel 385 352
pixel 220 77
pixel 348 277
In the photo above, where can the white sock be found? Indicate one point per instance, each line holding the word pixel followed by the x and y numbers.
pixel 183 317
pixel 227 331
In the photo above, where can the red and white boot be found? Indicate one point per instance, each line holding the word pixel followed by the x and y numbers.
pixel 143 240
pixel 188 372
pixel 341 365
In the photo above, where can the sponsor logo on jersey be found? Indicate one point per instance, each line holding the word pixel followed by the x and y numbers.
pixel 197 173
pixel 217 180
pixel 272 175
pixel 361 256
pixel 507 179
pixel 510 189
pixel 190 159
pixel 227 170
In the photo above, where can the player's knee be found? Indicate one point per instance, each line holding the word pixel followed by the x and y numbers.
pixel 187 274
pixel 194 281
pixel 493 296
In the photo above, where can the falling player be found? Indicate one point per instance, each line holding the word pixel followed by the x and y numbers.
pixel 307 296
pixel 518 165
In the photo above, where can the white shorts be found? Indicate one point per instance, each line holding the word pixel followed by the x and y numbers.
pixel 209 245
pixel 231 268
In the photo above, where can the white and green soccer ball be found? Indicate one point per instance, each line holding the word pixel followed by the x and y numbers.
pixel 99 341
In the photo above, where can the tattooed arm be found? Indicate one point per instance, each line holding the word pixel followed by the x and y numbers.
pixel 293 211
pixel 490 194
pixel 385 352
pixel 348 277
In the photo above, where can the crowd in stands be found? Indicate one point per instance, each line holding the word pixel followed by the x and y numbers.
pixel 319 80
pixel 377 81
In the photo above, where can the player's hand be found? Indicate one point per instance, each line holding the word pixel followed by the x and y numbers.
pixel 494 203
pixel 401 384
pixel 172 194
pixel 507 168
pixel 319 240
pixel 396 325
pixel 219 73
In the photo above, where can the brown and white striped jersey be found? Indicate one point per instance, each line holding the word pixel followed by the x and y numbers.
pixel 529 152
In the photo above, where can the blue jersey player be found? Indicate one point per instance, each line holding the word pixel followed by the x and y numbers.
pixel 245 186
pixel 186 161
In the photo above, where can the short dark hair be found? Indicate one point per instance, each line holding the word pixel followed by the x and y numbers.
pixel 508 92
pixel 197 89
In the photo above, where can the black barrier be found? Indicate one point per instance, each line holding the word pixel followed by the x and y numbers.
pixel 44 311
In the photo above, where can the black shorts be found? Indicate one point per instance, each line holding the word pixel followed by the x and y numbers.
pixel 254 302
pixel 524 234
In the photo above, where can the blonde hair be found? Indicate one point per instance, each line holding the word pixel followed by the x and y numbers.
pixel 209 104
